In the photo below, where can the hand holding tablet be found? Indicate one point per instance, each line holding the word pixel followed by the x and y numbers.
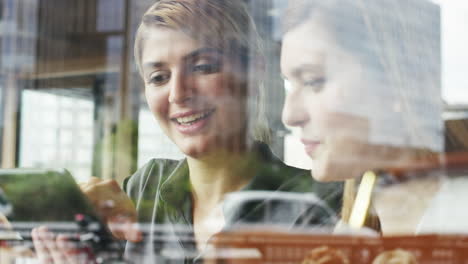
pixel 113 206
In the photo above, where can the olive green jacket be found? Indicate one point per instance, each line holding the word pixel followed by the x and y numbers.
pixel 161 192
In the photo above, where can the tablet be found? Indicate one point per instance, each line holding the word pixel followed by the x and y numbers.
pixel 37 197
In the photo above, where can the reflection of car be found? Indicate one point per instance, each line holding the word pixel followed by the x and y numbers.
pixel 275 208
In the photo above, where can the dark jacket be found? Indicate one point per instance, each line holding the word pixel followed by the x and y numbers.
pixel 161 191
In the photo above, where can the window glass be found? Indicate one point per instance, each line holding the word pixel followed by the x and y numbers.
pixel 56 132
pixel 209 131
pixel 453 16
pixel 151 140
pixel 2 88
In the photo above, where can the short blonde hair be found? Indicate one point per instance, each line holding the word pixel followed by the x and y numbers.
pixel 222 24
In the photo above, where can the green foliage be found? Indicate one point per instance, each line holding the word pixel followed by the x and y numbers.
pixel 48 196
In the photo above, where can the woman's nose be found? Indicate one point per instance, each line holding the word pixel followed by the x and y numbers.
pixel 295 112
pixel 180 89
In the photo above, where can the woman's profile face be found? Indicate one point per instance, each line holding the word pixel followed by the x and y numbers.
pixel 325 81
pixel 192 91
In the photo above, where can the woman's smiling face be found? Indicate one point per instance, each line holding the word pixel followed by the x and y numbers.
pixel 197 97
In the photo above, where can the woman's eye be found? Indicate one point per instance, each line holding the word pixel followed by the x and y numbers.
pixel 316 84
pixel 207 68
pixel 159 78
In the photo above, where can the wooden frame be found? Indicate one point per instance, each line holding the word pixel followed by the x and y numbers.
pixel 10 121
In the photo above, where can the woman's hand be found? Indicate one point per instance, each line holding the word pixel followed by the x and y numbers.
pixel 59 249
pixel 4 223
pixel 113 206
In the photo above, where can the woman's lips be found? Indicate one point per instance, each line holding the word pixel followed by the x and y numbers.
pixel 192 122
pixel 311 146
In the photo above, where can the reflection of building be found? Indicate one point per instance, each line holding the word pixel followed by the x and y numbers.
pixel 75 52
pixel 18 32
pixel 56 131
pixel 18 35
pixel 408 38
pixel 70 51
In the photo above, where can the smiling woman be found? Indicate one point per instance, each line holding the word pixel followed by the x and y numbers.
pixel 213 46
pixel 193 93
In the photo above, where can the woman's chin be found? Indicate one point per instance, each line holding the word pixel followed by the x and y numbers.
pixel 208 145
pixel 330 176
pixel 196 150
pixel 201 148
pixel 327 170
pixel 322 174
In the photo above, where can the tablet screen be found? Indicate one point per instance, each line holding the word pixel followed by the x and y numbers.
pixel 34 195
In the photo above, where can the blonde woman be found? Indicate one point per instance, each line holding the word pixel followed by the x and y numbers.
pixel 199 60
